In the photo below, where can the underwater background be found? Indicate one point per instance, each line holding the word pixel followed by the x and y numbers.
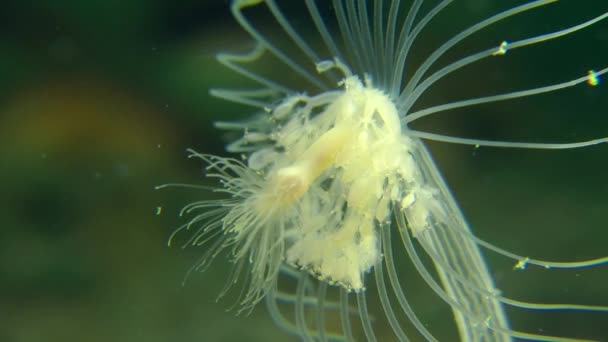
pixel 100 99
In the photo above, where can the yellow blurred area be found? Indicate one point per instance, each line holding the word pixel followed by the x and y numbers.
pixel 84 115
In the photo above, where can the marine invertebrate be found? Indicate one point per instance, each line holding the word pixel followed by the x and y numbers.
pixel 334 168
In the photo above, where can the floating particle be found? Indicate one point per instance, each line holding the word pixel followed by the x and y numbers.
pixel 521 264
pixel 592 78
pixel 502 49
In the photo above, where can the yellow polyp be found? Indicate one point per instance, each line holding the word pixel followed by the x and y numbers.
pixel 290 183
pixel 322 153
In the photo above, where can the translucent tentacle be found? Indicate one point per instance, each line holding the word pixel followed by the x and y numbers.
pixel 397 288
pixel 237 7
pixel 505 144
pixel 322 28
pixel 365 318
pixel 345 316
pixel 523 261
pixel 411 94
pixel 386 303
pixel 442 262
pixel 233 61
pixel 501 97
pixel 347 35
pixel 413 82
pixel 399 66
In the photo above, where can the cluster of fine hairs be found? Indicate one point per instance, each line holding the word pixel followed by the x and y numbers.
pixel 329 169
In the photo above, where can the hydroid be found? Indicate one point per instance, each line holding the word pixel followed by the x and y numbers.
pixel 335 169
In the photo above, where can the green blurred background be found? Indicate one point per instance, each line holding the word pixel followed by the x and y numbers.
pixel 100 99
